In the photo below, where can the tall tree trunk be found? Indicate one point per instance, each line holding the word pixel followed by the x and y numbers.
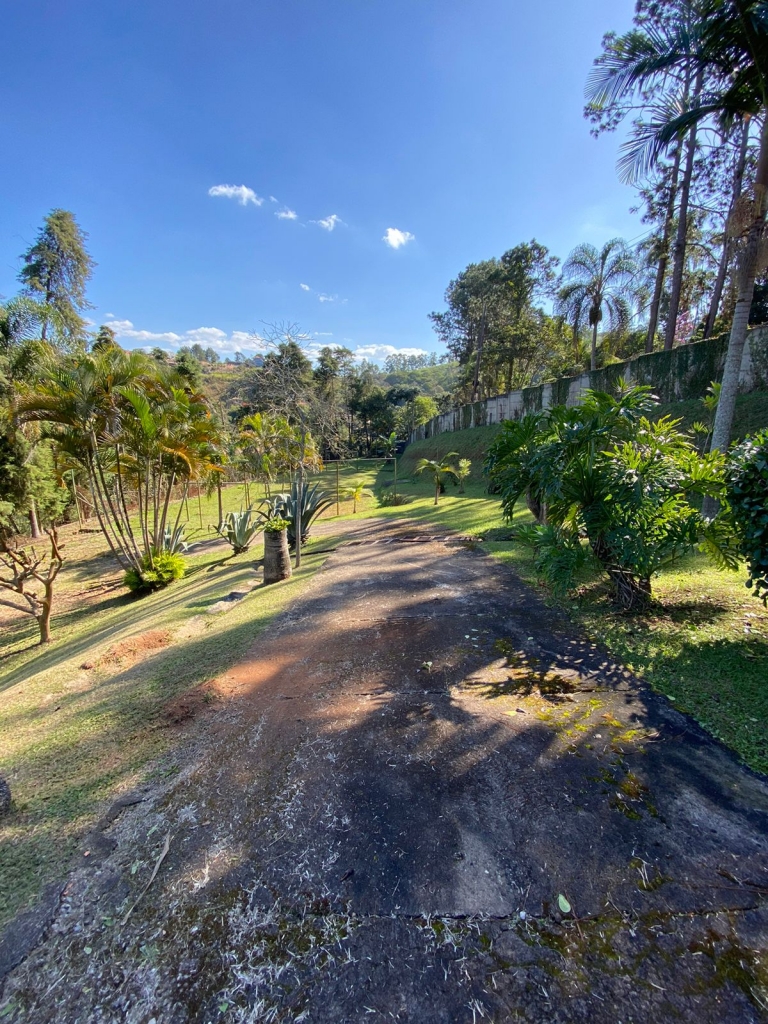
pixel 593 354
pixel 748 266
pixel 661 270
pixel 44 618
pixel 727 252
pixel 681 237
pixel 34 525
pixel 478 356
pixel 218 492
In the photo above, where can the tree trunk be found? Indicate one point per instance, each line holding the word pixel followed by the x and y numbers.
pixel 631 593
pixel 748 267
pixel 478 358
pixel 661 270
pixel 437 490
pixel 678 250
pixel 593 354
pixel 725 256
pixel 34 526
pixel 44 618
pixel 218 491
pixel 277 558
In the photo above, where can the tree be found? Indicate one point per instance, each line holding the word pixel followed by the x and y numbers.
pixel 357 491
pixel 134 428
pixel 56 270
pixel 462 473
pixel 731 39
pixel 595 281
pixel 22 567
pixel 439 470
pixel 419 410
pixel 493 326
pixel 628 485
pixel 105 336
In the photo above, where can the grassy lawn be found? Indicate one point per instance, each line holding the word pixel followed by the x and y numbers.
pixel 92 714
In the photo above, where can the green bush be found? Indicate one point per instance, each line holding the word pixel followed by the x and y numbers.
pixel 747 490
pixel 165 567
pixel 612 488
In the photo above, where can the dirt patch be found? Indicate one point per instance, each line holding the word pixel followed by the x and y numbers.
pixel 133 649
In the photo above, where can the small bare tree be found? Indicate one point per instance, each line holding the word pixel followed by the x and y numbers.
pixel 24 566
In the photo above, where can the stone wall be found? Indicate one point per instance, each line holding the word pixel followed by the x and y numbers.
pixel 682 373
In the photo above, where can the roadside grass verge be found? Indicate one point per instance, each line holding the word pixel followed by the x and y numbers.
pixel 72 739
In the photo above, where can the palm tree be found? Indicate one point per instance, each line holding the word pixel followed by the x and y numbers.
pixel 357 491
pixel 596 280
pixel 438 470
pixel 729 42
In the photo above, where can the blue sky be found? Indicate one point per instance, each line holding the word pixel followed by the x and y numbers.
pixel 457 125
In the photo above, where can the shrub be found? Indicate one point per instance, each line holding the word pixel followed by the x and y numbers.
pixel 164 568
pixel 747 491
pixel 388 498
pixel 606 475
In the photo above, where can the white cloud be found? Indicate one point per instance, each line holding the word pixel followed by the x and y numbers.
pixel 329 223
pixel 272 199
pixel 305 287
pixel 327 298
pixel 378 353
pixel 208 337
pixel 286 214
pixel 241 193
pixel 395 238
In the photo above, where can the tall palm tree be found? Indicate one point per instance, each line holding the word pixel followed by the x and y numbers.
pixel 729 41
pixel 595 281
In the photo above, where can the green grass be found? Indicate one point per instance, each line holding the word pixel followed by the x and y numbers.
pixel 73 739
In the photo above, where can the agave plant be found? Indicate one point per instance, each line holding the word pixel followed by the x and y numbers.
pixel 173 541
pixel 313 502
pixel 239 529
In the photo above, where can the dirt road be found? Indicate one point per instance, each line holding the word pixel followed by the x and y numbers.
pixel 412 779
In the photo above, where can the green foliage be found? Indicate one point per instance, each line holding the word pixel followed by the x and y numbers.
pixel 56 271
pixel 747 490
pixel 617 488
pixel 439 470
pixel 239 529
pixel 313 502
pixel 157 571
pixel 357 491
pixel 276 525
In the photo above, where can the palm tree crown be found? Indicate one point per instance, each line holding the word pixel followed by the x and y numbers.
pixel 595 281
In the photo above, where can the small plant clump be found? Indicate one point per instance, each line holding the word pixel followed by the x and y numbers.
pixel 158 571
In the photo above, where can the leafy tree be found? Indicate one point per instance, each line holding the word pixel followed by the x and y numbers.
pixel 105 336
pixel 439 470
pixel 56 270
pixel 604 471
pixel 462 473
pixel 597 280
pixel 419 410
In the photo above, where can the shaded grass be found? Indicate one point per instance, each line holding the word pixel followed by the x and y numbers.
pixel 71 740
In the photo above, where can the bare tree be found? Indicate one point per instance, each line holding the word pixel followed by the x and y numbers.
pixel 24 566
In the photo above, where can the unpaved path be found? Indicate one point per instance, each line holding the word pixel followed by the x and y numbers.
pixel 377 825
